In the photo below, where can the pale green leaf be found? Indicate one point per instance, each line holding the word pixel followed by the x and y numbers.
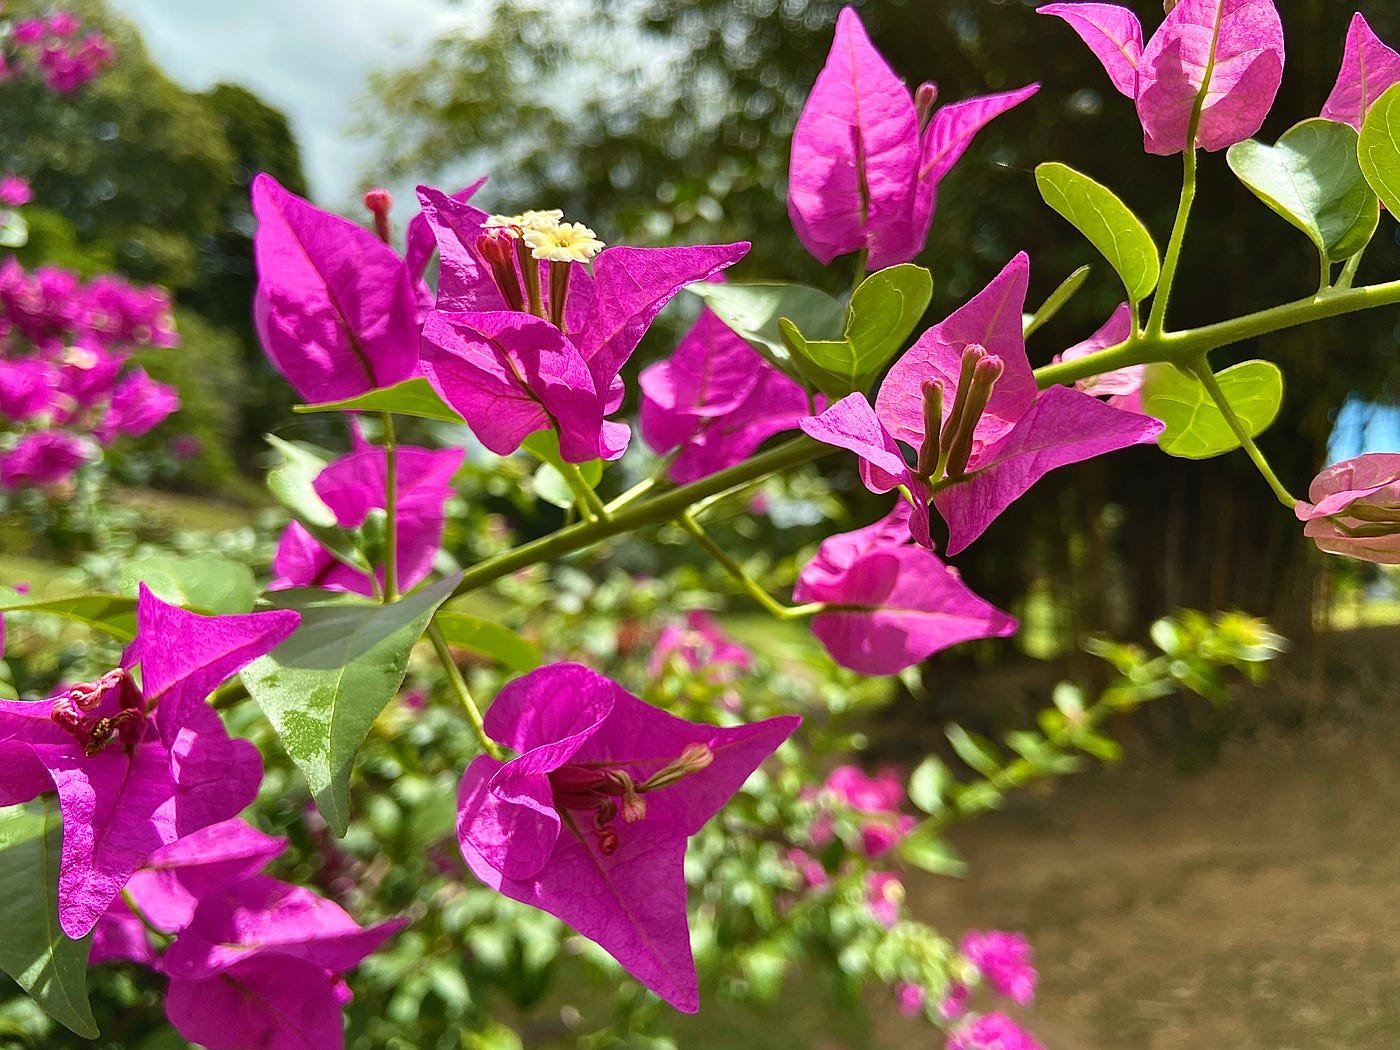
pixel 113 614
pixel 489 639
pixel 1313 180
pixel 1109 224
pixel 205 582
pixel 1379 148
pixel 412 397
pixel 1195 427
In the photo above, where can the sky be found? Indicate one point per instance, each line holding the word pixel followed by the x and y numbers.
pixel 310 64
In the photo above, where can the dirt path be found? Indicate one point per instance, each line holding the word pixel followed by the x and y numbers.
pixel 1255 906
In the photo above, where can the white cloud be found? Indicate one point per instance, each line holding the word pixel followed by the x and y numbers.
pixel 309 58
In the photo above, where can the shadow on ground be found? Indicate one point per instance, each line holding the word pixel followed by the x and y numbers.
pixel 1251 906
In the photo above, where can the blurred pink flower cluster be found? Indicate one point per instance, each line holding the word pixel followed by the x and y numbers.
pixel 863 813
pixel 65 384
pixel 1003 961
pixel 56 48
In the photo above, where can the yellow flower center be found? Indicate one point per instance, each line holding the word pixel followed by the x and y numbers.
pixel 566 242
pixel 516 225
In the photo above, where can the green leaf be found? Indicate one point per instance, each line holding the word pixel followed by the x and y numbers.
pixel 1109 224
pixel 206 582
pixel 977 751
pixel 291 483
pixel 1101 747
pixel 550 484
pixel 412 397
pixel 882 312
pixel 33 950
pixel 1067 290
pixel 113 614
pixel 1379 149
pixel 752 311
pixel 324 686
pixel 928 852
pixel 489 639
pixel 1195 427
pixel 929 783
pixel 14 230
pixel 1313 180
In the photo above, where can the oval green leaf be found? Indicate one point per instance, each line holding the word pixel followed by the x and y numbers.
pixel 489 639
pixel 1195 426
pixel 883 311
pixel 1109 224
pixel 1379 149
pixel 412 397
pixel 208 583
pixel 113 614
pixel 1313 180
pixel 324 686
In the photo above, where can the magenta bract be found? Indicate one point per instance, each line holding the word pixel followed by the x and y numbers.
pixel 1237 43
pixel 864 170
pixel 260 964
pixel 352 487
pixel 139 404
pixel 994 1031
pixel 138 767
pixel 1369 67
pixel 44 457
pixel 590 823
pixel 1024 433
pixel 1004 959
pixel 168 887
pixel 335 306
pixel 714 401
pixel 853 425
pixel 701 646
pixel 1121 386
pixel 901 604
pixel 1355 508
pixel 511 373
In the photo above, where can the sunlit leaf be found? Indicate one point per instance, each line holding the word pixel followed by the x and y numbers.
pixel 1313 180
pixel 1109 224
pixel 1195 426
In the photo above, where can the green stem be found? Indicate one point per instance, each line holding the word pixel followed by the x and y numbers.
pixel 1202 370
pixel 1158 318
pixel 588 500
pixel 1325 281
pixel 151 928
pixel 1182 347
pixel 463 695
pixel 751 586
pixel 862 258
pixel 664 507
pixel 391 499
pixel 633 494
pixel 1349 271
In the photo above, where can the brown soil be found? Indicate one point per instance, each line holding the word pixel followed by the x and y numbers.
pixel 1252 906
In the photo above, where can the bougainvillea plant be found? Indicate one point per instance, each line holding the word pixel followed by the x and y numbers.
pixel 579 798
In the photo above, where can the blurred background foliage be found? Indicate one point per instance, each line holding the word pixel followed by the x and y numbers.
pixel 669 121
pixel 138 175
